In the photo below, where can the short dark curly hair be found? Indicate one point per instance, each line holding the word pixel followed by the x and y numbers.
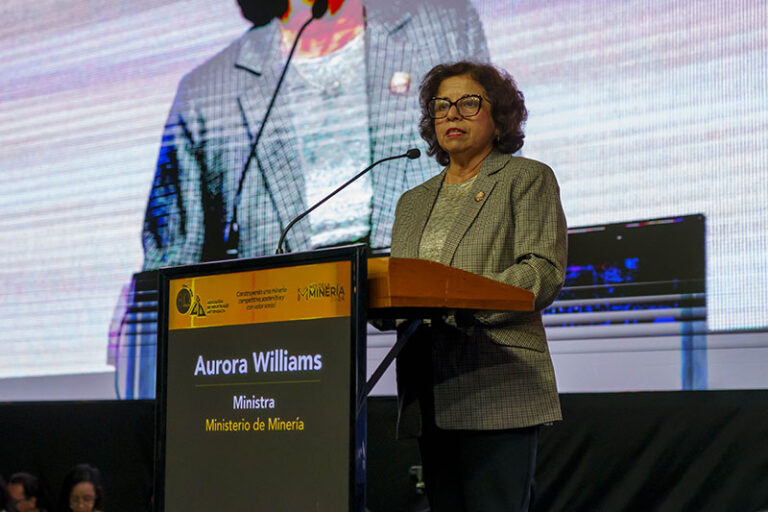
pixel 507 105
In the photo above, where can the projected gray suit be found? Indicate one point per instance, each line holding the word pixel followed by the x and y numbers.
pixel 218 111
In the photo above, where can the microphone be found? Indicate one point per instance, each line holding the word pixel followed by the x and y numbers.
pixel 232 229
pixel 412 153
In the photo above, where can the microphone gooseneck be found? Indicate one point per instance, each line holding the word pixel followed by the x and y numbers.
pixel 232 229
pixel 411 153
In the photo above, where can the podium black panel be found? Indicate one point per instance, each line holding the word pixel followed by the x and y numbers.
pixel 261 363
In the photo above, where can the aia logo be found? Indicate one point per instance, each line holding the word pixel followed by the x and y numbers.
pixel 188 302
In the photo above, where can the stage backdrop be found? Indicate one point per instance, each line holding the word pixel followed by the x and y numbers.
pixel 646 110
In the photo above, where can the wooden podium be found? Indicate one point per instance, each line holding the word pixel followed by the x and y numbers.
pixel 261 371
pixel 413 289
pixel 403 284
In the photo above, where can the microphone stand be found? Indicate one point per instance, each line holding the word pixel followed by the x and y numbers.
pixel 232 229
pixel 411 153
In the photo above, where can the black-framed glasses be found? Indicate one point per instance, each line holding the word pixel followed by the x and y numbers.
pixel 88 501
pixel 467 106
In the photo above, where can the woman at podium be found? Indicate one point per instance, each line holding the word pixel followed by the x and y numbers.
pixel 475 386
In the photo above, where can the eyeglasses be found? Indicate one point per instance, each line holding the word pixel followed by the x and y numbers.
pixel 85 500
pixel 467 106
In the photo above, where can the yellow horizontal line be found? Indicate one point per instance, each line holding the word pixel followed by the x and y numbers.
pixel 259 322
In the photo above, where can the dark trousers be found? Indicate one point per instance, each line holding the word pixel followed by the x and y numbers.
pixel 479 471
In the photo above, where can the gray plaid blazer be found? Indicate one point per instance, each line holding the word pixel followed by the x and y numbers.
pixel 489 370
pixel 218 111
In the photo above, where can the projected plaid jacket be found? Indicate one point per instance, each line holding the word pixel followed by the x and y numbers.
pixel 218 110
pixel 490 370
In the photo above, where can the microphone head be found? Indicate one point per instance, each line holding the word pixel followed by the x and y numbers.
pixel 319 9
pixel 413 153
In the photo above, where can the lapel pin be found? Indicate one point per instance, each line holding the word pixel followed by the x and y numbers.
pixel 400 83
pixel 479 196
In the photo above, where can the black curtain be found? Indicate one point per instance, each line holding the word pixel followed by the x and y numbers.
pixel 672 451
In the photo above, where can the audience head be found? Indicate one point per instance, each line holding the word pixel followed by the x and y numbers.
pixel 82 490
pixel 23 493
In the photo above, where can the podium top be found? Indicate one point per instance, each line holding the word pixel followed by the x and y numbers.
pixel 414 283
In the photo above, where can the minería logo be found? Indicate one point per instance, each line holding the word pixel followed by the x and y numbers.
pixel 321 291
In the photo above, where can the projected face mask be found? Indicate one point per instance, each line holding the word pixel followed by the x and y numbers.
pixel 260 13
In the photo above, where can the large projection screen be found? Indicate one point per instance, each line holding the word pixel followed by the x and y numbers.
pixel 644 109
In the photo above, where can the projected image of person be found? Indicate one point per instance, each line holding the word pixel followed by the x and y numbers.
pixel 474 387
pixel 347 100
